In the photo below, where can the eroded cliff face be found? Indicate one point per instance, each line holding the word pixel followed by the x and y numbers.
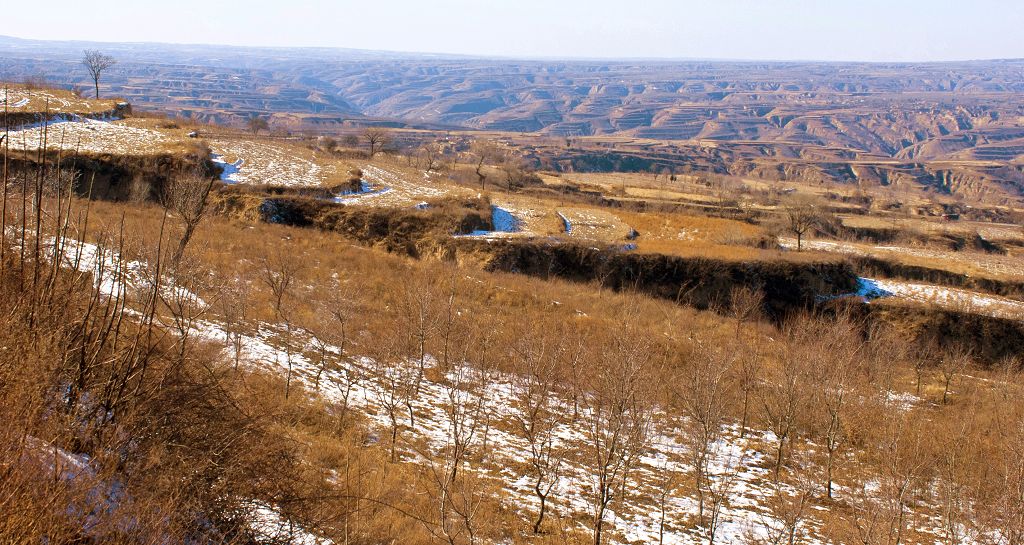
pixel 119 177
pixel 701 282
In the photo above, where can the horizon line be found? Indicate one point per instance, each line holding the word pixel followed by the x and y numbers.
pixel 525 58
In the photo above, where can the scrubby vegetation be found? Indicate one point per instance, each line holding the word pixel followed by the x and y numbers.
pixel 190 361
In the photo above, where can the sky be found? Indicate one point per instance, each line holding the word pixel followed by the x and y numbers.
pixel 837 30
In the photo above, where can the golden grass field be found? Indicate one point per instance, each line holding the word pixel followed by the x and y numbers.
pixel 20 99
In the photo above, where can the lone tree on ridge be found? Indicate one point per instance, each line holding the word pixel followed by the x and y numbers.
pixel 96 62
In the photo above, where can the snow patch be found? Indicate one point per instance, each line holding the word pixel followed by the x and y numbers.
pixel 566 223
pixel 505 223
pixel 270 526
pixel 229 174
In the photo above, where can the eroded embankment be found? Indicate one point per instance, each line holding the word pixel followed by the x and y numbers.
pixel 874 267
pixel 787 286
pixel 18 120
pixel 700 282
pixel 116 177
pixel 990 339
pixel 411 231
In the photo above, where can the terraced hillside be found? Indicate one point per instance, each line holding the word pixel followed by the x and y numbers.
pixel 576 355
pixel 920 111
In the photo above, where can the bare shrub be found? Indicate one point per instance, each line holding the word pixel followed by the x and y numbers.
pixel 186 196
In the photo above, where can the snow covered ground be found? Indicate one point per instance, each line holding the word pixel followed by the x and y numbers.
pixel 392 189
pixel 530 220
pixel 89 135
pixel 566 222
pixel 113 276
pixel 506 225
pixel 992 263
pixel 740 465
pixel 270 527
pixel 229 173
pixel 250 162
pixel 944 297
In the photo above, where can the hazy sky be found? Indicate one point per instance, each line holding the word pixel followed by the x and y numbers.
pixel 896 30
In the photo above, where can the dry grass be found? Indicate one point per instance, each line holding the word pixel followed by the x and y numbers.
pixel 55 101
pixel 328 469
pixel 331 459
pixel 971 263
pixel 674 226
pixel 937 226
pixel 594 225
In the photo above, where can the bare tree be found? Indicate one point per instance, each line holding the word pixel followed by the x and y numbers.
pixel 183 303
pixel 835 350
pixel 327 143
pixel 324 356
pixel 350 141
pixel 951 489
pixel 952 364
pixel 432 154
pixel 376 139
pixel 1008 519
pixel 279 273
pixel 256 124
pixel 517 173
pixel 746 305
pixel 420 316
pixel 331 323
pixel 186 196
pixel 782 396
pixel 392 384
pixel 747 373
pixel 724 190
pixel 484 152
pixel 789 505
pixel 866 515
pixel 617 415
pixel 921 363
pixel 801 213
pixel 538 417
pixel 96 62
pixel 234 310
pixel 904 462
pixel 668 484
pixel 703 400
pixel 721 488
pixel 468 412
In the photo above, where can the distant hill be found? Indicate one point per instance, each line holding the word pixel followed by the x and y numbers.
pixel 910 111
